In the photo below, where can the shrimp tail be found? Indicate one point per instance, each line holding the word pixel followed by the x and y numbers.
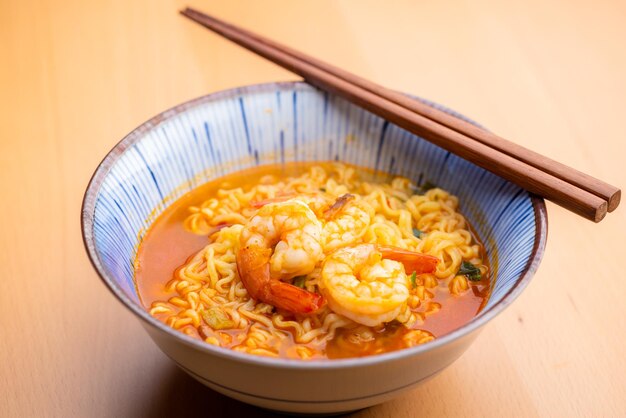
pixel 338 206
pixel 412 261
pixel 254 270
pixel 294 299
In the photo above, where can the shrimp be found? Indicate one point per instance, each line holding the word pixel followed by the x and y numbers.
pixel 346 221
pixel 368 284
pixel 254 270
pixel 278 243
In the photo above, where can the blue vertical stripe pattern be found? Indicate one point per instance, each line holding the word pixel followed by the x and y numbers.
pixel 234 130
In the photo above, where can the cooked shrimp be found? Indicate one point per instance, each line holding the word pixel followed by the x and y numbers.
pixel 254 270
pixel 368 283
pixel 346 221
pixel 280 242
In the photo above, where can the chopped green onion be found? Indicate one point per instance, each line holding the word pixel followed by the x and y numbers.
pixel 470 271
pixel 427 186
pixel 417 232
pixel 216 318
pixel 414 279
pixel 299 281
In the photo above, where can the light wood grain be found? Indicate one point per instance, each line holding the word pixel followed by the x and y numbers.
pixel 76 76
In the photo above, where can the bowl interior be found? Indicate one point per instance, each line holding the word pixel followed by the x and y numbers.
pixel 280 122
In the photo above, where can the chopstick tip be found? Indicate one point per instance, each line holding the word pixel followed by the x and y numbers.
pixel 614 200
pixel 601 212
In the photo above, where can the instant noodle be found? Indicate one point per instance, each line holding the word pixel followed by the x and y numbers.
pixel 313 260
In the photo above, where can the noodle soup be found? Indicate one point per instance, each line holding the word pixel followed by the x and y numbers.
pixel 313 261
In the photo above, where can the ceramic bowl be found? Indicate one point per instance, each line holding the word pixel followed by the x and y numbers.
pixel 231 130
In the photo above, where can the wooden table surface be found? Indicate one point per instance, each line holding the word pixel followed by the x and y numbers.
pixel 75 76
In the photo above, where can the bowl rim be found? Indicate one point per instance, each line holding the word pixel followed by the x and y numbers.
pixel 87 223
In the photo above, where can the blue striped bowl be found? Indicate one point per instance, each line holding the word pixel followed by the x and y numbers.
pixel 227 131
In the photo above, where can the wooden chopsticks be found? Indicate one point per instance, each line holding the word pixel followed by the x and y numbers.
pixel 565 186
